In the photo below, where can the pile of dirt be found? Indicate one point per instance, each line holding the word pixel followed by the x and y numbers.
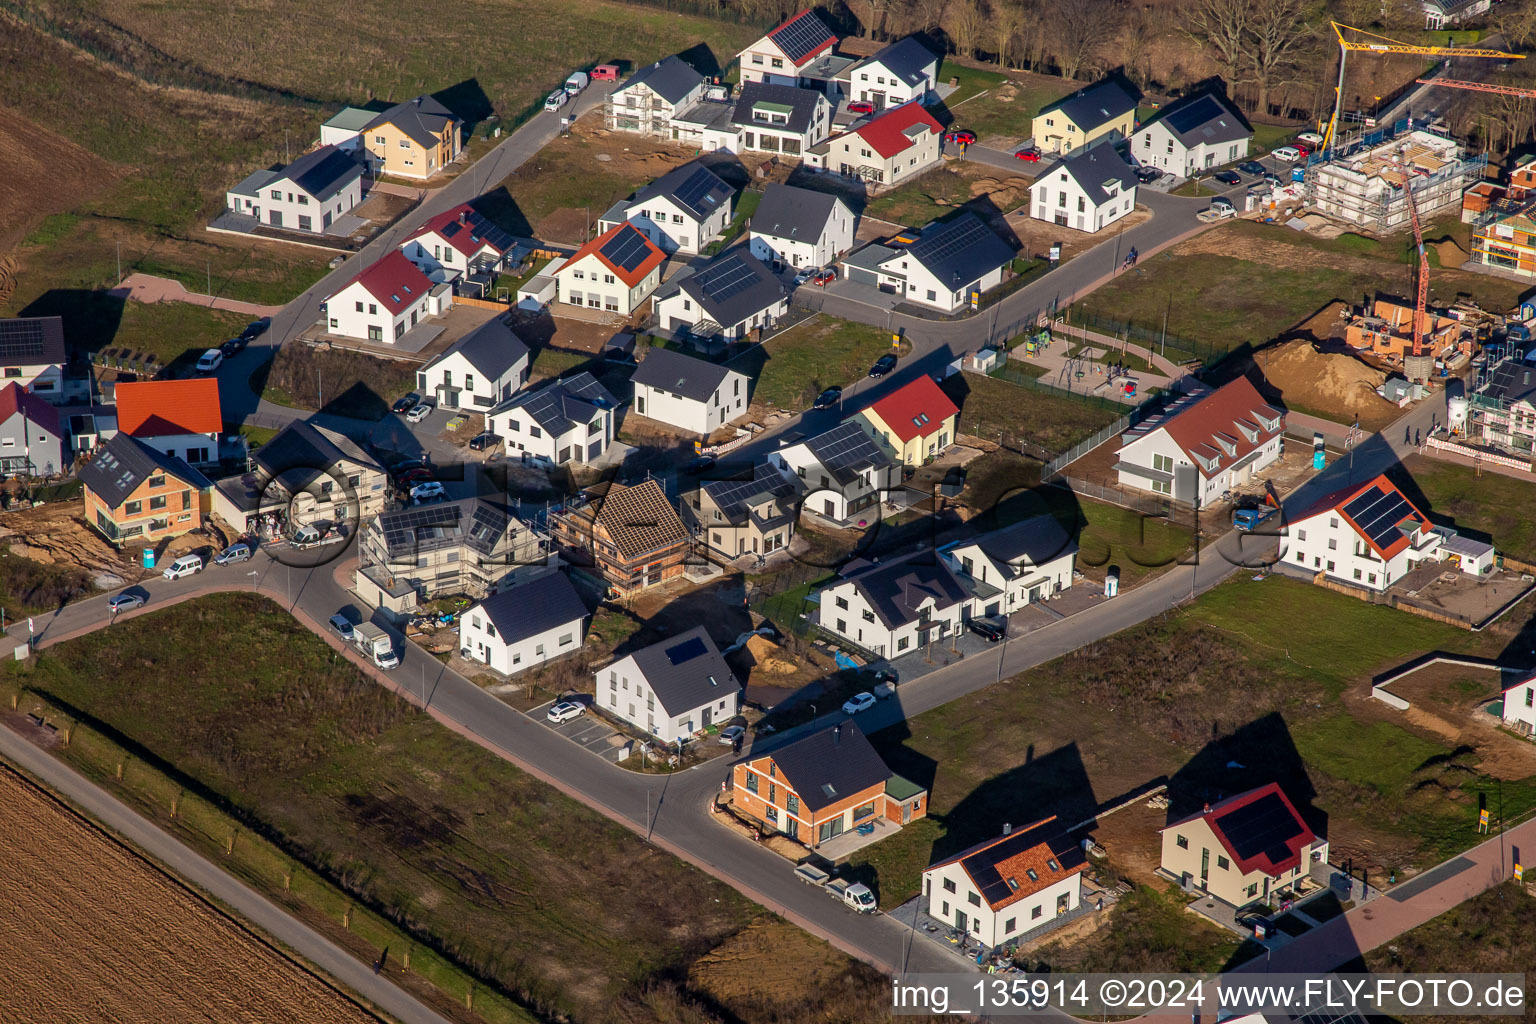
pixel 1006 93
pixel 1450 253
pixel 1005 193
pixel 1333 383
pixel 769 657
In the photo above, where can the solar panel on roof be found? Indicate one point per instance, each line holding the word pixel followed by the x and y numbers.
pixel 686 651
pixel 727 278
pixel 20 339
pixel 800 37
pixel 1378 512
pixel 1263 826
pixel 695 192
pixel 848 448
pixel 626 250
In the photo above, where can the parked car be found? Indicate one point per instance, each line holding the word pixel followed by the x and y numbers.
pixel 232 347
pixel 210 361
pixel 186 565
pixel 1221 206
pixel 1147 175
pixel 605 73
pixel 859 702
pixel 988 630
pixel 1302 149
pixel 411 477
pixel 555 100
pixel 426 492
pixel 861 108
pixel 731 733
pixel 825 276
pixel 256 328
pixel 483 441
pixel 1029 154
pixel 698 464
pixel 576 82
pixel 342 627
pixel 1290 154
pixel 407 403
pixel 1228 177
pixel 961 137
pixel 828 398
pixel 804 275
pixel 126 601
pixel 565 711
pixel 1253 167
pixel 240 552
pixel 1310 138
pixel 418 412
pixel 884 365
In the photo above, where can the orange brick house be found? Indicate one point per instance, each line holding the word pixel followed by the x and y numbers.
pixel 823 785
pixel 1387 330
pixel 135 494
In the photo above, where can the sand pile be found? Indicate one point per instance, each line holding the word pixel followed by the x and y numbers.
pixel 1451 254
pixel 1328 382
pixel 767 656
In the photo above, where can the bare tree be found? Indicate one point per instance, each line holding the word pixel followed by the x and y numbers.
pixel 1078 28
pixel 924 15
pixel 875 16
pixel 1007 21
pixel 1223 26
pixel 1134 44
pixel 965 20
pixel 1276 31
pixel 1516 22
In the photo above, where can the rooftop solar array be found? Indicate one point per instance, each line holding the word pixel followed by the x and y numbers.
pixel 627 249
pixel 1262 827
pixel 726 278
pixel 25 340
pixel 481 229
pixel 686 651
pixel 731 496
pixel 1377 512
pixel 697 193
pixel 846 450
pixel 800 37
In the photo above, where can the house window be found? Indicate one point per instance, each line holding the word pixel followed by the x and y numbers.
pixel 901 643
pixel 1301 534
pixel 1253 890
pixel 860 813
pixel 1034 912
pixel 1009 927
pixel 1181 842
pixel 751 778
pixel 133 508
pixel 973 899
pixel 949 885
pixel 157 503
pixel 1223 863
pixel 791 803
pixel 1162 463
pixel 842 602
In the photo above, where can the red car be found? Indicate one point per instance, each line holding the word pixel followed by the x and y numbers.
pixel 825 277
pixel 1302 148
pixel 961 137
pixel 861 108
pixel 1029 155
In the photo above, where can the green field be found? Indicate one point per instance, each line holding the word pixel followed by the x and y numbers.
pixel 1008 111
pixel 969 81
pixel 335 381
pixel 927 197
pixel 792 368
pixel 993 408
pixel 1492 505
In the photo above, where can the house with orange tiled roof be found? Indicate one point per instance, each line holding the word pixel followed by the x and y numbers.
pixel 615 272
pixel 178 417
pixel 384 301
pixel 916 421
pixel 1001 890
pixel 633 536
pixel 900 143
pixel 1243 849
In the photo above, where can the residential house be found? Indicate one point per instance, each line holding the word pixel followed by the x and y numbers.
pixel 1191 136
pixel 843 472
pixel 800 228
pixel 1504 236
pixel 894 608
pixel 1105 111
pixel 777 57
pixel 997 891
pixel 1087 190
pixel 916 421
pixel 414 139
pixel 345 131
pixel 1503 411
pixel 458 244
pixel 531 619
pixel 951 263
pixel 385 300
pixel 1017 565
pixel 754 514
pixel 31 441
pixel 903 72
pixel 671 690
pixel 822 785
pixel 632 535
pixel 1440 14
pixel 454 547
pixel 135 494
pixel 1519 707
pixel 306 475
pixel 779 119
pixel 308 195
pixel 1372 535
pixel 32 354
pixel 682 211
pixel 486 366
pixel 1242 849
pixel 653 96
pixel 616 271
pixel 569 419
pixel 1202 445
pixel 897 144
pixel 686 393
pixel 725 299
pixel 178 417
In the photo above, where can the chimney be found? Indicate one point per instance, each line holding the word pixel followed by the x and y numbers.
pixel 463 216
pixel 1007 828
pixel 1207 809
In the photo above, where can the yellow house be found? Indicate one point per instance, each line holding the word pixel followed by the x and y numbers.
pixel 414 139
pixel 1245 849
pixel 1106 110
pixel 916 421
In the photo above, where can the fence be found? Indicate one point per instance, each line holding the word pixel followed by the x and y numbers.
pixel 1154 339
pixel 790 597
pixel 1136 501
pixel 1014 374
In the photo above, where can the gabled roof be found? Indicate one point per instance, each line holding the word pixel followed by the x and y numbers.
pixel 1092 169
pixel 1094 106
pixel 493 348
pixel 898 128
pixel 562 403
pixel 467 230
pixel 527 609
pixel 31 340
pixel 155 408
pixel 352 119
pixel 121 466
pixel 1018 864
pixel 847 451
pixel 1032 541
pixel 735 497
pixel 303 452
pixel 323 172
pixel 733 286
pixel 1207 426
pixel 471 522
pixel 394 281
pixel 897 590
pixel 803 36
pixel 958 251
pixel 686 671
pixel 1202 119
pixel 1259 829
pixel 623 249
pixel 916 409
pixel 828 766
pixel 420 119
pixel 798 105
pixel 1512 380
pixel 692 188
pixel 799 214
pixel 1380 513
pixel 16 399
pixel 639 519
pixel 666 370
pixel 669 78
pixel 906 58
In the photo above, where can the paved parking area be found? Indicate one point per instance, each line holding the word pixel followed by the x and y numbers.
pixel 586 730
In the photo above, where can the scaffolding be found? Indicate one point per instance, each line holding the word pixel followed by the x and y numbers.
pixel 1365 187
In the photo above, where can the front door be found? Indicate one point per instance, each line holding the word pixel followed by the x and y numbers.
pixel 906 814
pixel 831 508
pixel 704 718
pixel 962 922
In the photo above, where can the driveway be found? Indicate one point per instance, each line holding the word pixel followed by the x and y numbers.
pixel 586 730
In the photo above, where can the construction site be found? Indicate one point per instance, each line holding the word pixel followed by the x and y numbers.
pixel 1364 187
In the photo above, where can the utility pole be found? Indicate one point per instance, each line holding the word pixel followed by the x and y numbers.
pixel 209 267
pixel 119 261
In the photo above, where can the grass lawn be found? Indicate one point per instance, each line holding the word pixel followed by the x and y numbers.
pixel 991 407
pixel 552 362
pixel 969 81
pixel 1270 136
pixel 934 194
pixel 746 205
pixel 168 331
pixel 253 435
pixel 350 383
pixel 794 367
pixel 1494 931
pixel 28 587
pixel 1194 187
pixel 1151 932
pixel 1493 505
pixel 1008 110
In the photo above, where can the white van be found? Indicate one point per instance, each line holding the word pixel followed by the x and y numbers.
pixel 577 82
pixel 210 361
pixel 186 565
pixel 555 100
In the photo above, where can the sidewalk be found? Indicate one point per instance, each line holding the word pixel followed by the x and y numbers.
pixel 150 289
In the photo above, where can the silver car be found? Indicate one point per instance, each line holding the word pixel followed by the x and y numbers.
pixel 125 601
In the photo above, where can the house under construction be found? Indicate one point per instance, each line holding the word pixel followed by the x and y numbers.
pixel 1365 188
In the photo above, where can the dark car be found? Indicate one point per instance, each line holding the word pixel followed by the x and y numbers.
pixel 1228 177
pixel 884 365
pixel 1252 167
pixel 232 346
pixel 405 404
pixel 961 137
pixel 698 464
pixel 411 477
pixel 828 398
pixel 988 630
pixel 1147 175
pixel 480 442
pixel 256 328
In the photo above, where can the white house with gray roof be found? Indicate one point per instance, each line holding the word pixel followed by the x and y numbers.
pixel 777 119
pixel 653 96
pixel 672 689
pixel 726 299
pixel 904 71
pixel 567 420
pixel 687 393
pixel 800 228
pixel 1016 565
pixel 1088 191
pixel 1192 136
pixel 952 263
pixel 482 368
pixel 308 195
pixel 32 354
pixel 682 211
pixel 841 473
pixel 894 608
pixel 535 615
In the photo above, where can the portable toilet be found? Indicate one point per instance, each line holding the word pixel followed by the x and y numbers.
pixel 1112 581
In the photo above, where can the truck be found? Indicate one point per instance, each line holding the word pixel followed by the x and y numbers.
pixel 577 82
pixel 1245 519
pixel 856 896
pixel 376 644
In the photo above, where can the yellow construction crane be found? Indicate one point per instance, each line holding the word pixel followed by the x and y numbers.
pixel 1381 44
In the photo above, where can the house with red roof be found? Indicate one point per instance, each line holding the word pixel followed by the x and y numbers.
pixel 916 421
pixel 31 443
pixel 181 418
pixel 615 272
pixel 900 143
pixel 1202 444
pixel 385 301
pixel 1015 885
pixel 777 57
pixel 457 243
pixel 1244 849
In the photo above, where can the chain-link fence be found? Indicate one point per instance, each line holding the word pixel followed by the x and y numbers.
pixel 1155 339
pixel 1136 501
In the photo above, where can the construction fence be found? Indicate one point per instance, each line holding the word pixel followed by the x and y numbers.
pixel 1137 501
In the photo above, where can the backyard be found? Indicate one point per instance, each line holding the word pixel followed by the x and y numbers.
pixel 1488 506
pixel 999 410
pixel 350 383
pixel 1006 113
pixel 793 367
pixel 938 193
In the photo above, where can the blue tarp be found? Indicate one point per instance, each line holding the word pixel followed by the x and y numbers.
pixel 843 661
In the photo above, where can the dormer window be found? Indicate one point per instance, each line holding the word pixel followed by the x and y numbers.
pixel 1033 875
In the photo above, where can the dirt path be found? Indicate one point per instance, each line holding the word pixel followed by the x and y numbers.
pixel 150 289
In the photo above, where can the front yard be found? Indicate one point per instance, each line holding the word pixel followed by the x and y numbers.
pixel 1487 506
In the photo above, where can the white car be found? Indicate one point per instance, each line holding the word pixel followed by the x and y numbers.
pixel 1222 208
pixel 1290 154
pixel 731 733
pixel 555 100
pixel 565 711
pixel 429 491
pixel 418 413
pixel 859 702
pixel 210 361
pixel 1310 138
pixel 186 565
